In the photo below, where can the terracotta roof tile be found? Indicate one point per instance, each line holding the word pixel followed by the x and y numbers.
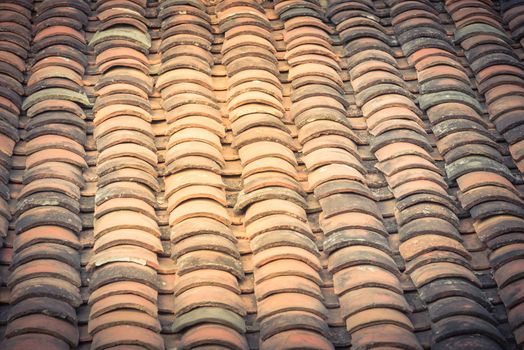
pixel 35 339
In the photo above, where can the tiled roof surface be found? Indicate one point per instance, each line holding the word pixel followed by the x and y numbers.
pixel 239 174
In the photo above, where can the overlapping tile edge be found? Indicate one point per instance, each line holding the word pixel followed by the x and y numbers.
pixel 166 269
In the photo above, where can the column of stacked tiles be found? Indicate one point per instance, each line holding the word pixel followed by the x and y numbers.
pixel 14 45
pixel 45 277
pixel 15 41
pixel 123 280
pixel 513 16
pixel 208 308
pixel 291 313
pixel 498 70
pixel 365 276
pixel 472 156
pixel 430 242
